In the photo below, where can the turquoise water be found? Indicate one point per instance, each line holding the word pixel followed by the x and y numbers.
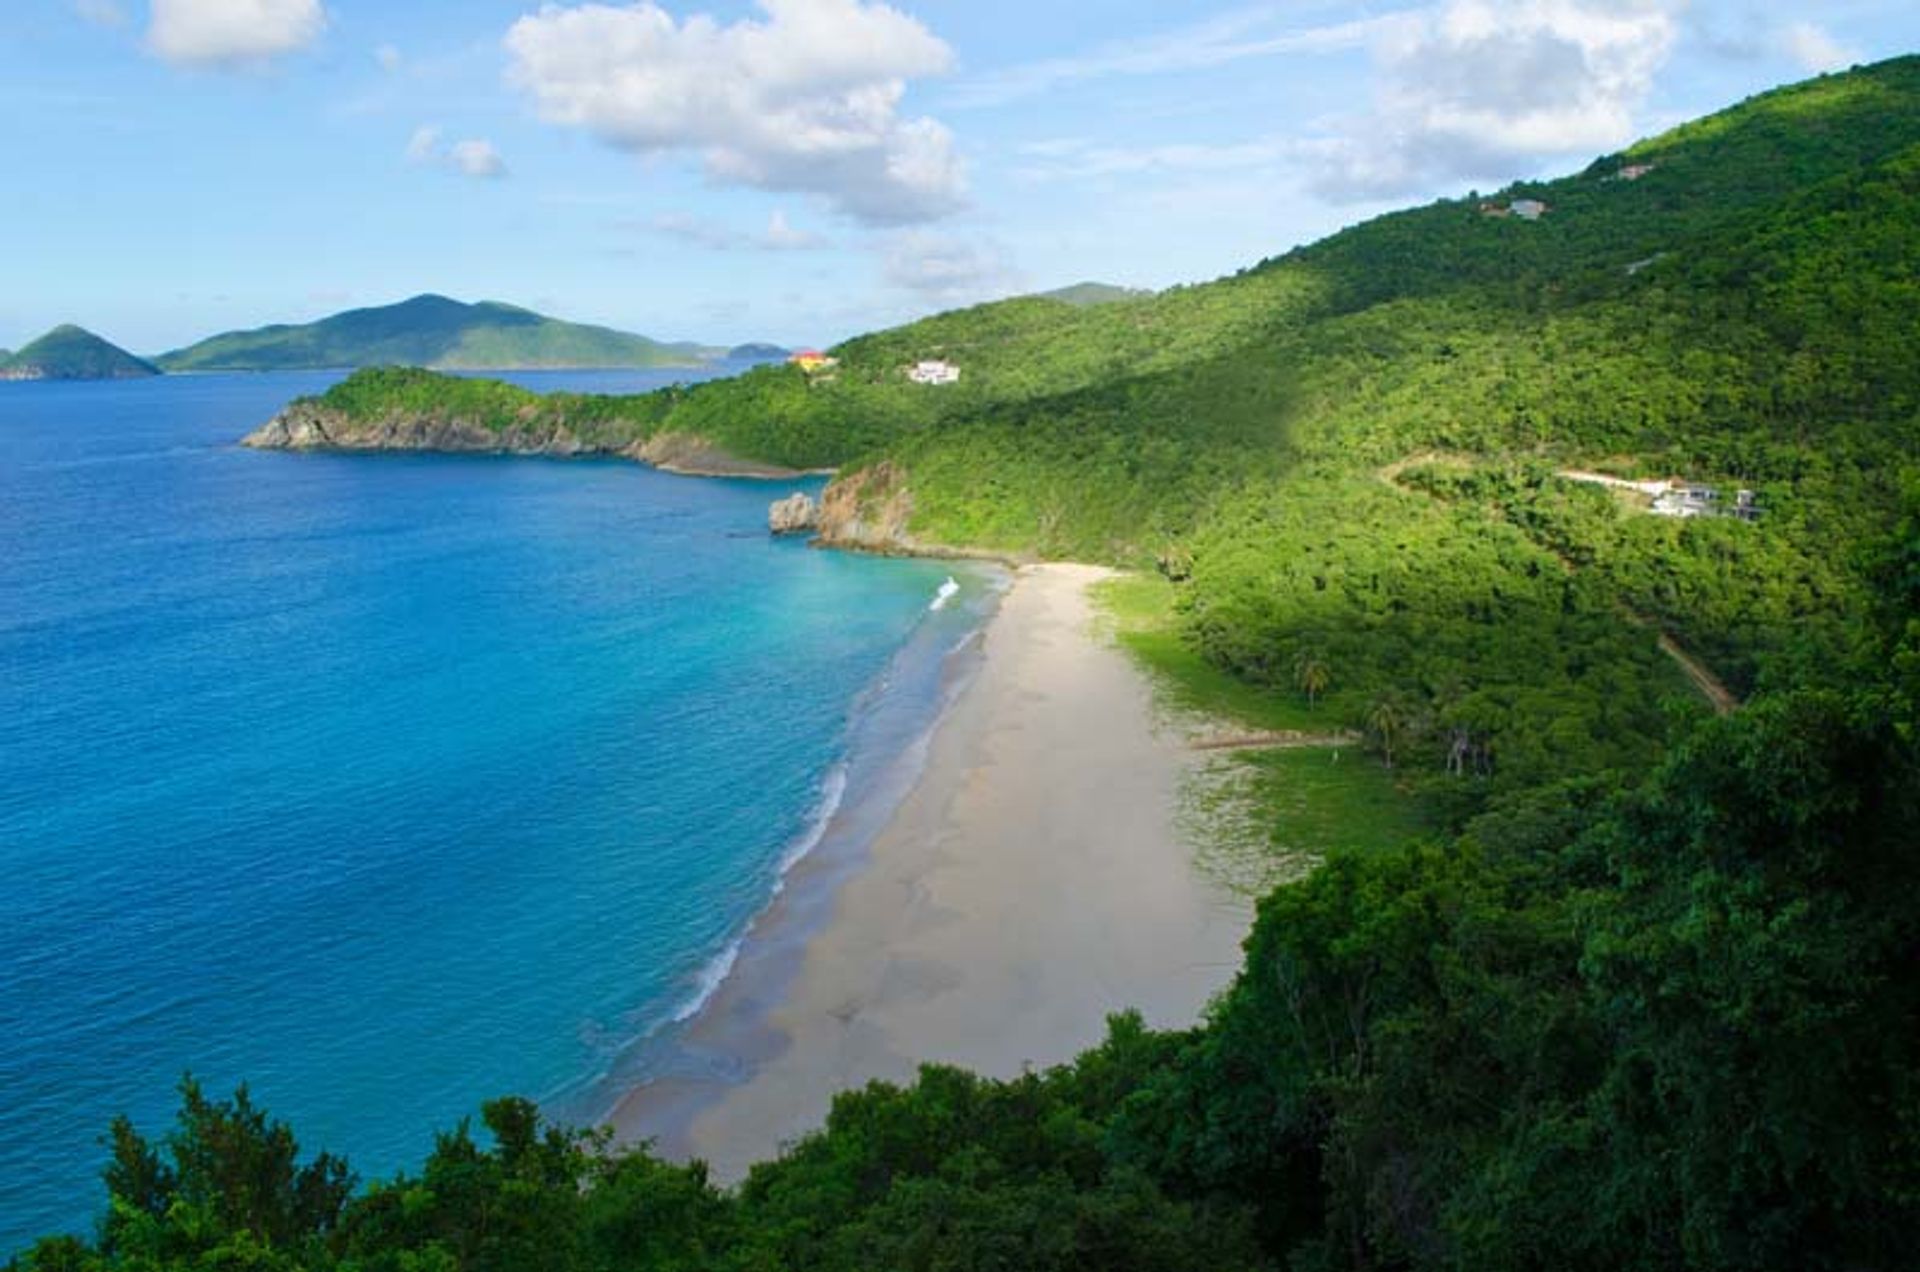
pixel 387 784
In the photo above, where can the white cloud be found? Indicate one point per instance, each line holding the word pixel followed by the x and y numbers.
pixel 783 237
pixel 805 100
pixel 476 157
pixel 424 146
pixel 101 13
pixel 779 236
pixel 1810 45
pixel 1476 86
pixel 947 270
pixel 1075 159
pixel 1231 37
pixel 472 157
pixel 232 32
pixel 389 57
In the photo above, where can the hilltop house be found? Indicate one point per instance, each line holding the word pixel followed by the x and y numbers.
pixel 812 361
pixel 934 371
pixel 1634 171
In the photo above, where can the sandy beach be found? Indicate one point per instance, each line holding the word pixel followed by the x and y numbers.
pixel 1030 883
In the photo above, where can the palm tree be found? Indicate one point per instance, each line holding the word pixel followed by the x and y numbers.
pixel 1311 675
pixel 1387 720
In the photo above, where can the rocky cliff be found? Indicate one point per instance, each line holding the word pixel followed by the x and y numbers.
pixel 309 425
pixel 868 510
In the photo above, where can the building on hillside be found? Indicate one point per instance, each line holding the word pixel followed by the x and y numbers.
pixel 1677 497
pixel 1525 209
pixel 1634 171
pixel 812 361
pixel 934 371
pixel 1687 499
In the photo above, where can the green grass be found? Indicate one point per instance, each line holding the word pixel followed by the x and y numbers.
pixel 1140 611
pixel 1263 818
pixel 1258 817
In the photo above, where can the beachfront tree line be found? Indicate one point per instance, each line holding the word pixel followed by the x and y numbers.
pixel 1644 996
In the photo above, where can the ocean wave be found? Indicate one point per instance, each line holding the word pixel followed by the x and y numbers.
pixel 711 977
pixel 945 594
pixel 833 789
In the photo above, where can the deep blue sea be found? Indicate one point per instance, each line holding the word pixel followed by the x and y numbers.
pixel 387 784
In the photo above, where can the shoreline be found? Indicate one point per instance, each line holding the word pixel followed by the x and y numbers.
pixel 1027 882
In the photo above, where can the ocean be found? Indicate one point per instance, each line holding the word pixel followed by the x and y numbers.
pixel 389 784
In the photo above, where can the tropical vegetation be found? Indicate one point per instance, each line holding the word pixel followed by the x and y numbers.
pixel 1635 988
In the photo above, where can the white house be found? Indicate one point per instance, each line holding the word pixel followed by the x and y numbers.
pixel 934 371
pixel 1527 209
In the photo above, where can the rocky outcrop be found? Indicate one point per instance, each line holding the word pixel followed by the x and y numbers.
pixel 310 425
pixel 869 510
pixel 798 513
pixel 697 457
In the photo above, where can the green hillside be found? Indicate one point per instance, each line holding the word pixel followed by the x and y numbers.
pixel 431 331
pixel 1093 294
pixel 1640 996
pixel 73 353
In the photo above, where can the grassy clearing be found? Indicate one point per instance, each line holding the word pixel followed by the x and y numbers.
pixel 1264 818
pixel 1139 611
pixel 1258 818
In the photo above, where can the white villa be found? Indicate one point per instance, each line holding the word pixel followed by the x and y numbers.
pixel 934 371
pixel 1674 497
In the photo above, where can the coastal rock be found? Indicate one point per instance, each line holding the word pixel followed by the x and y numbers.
pixel 796 514
pixel 308 425
pixel 869 510
pixel 695 456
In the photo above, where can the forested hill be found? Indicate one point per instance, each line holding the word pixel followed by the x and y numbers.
pixel 1643 997
pixel 73 353
pixel 431 331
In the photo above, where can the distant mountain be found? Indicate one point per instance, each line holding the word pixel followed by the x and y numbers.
pixel 758 353
pixel 432 331
pixel 1094 294
pixel 74 353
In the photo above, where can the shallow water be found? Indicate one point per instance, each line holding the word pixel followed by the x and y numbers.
pixel 389 784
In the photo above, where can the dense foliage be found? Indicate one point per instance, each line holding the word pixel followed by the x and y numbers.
pixel 1644 997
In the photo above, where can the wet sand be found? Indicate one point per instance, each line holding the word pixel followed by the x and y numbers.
pixel 1029 884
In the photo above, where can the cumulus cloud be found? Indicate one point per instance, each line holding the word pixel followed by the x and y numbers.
pixel 472 157
pixel 805 99
pixel 948 270
pixel 225 33
pixel 1470 88
pixel 1810 45
pixel 779 236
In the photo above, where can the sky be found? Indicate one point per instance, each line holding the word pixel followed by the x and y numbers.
pixel 794 170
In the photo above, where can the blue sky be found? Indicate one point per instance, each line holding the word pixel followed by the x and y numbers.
pixel 793 170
